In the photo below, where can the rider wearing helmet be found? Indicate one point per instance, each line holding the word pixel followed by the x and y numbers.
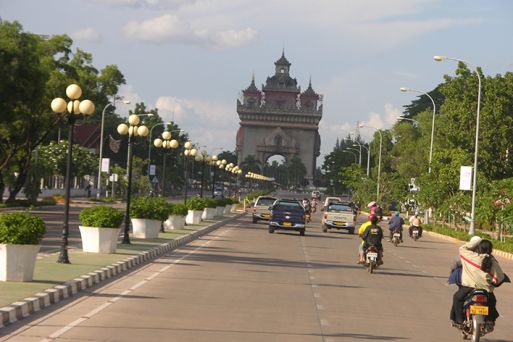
pixel 363 227
pixel 396 224
pixel 372 236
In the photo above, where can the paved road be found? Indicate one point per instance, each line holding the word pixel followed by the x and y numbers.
pixel 241 283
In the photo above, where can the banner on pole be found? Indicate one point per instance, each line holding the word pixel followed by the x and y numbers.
pixel 105 164
pixel 466 178
pixel 153 170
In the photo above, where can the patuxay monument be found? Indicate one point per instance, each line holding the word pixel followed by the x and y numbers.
pixel 280 120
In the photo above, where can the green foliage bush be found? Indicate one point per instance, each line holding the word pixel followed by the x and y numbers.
pixel 210 203
pixel 195 204
pixel 101 216
pixel 152 208
pixel 21 228
pixel 178 209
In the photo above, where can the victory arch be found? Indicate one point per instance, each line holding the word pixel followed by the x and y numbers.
pixel 279 119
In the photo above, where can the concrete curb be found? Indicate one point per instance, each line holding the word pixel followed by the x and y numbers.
pixel 23 308
pixel 496 252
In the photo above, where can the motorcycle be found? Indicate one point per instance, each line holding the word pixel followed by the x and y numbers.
pixel 475 311
pixel 371 258
pixel 396 238
pixel 415 233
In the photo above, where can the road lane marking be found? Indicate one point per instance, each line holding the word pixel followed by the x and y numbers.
pixel 320 307
pixel 316 295
pixel 325 322
pixel 95 311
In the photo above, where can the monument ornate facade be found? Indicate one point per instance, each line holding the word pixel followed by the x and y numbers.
pixel 280 120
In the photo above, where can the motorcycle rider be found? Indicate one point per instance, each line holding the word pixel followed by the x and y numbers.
pixel 373 235
pixel 361 230
pixel 396 224
pixel 314 205
pixel 480 270
pixel 415 221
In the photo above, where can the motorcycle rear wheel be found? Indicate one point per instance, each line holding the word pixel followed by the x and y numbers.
pixel 371 267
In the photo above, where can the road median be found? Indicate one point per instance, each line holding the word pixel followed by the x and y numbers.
pixel 54 282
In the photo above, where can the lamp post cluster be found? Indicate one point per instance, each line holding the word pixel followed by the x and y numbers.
pixel 73 110
pixel 189 151
pixel 166 143
pixel 132 129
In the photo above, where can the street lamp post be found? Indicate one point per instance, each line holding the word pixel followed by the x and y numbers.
pixel 474 174
pixel 132 130
pixel 354 154
pixel 379 158
pixel 188 151
pixel 203 158
pixel 165 143
pixel 368 155
pixel 359 154
pixel 74 108
pixel 404 89
pixel 213 162
pixel 98 194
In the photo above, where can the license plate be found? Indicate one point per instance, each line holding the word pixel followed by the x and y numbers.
pixel 340 223
pixel 397 235
pixel 478 310
pixel 372 256
pixel 287 224
pixel 266 216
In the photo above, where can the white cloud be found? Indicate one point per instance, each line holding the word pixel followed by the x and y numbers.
pixel 172 29
pixel 207 123
pixel 87 34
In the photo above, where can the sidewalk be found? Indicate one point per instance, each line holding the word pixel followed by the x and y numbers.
pixel 53 281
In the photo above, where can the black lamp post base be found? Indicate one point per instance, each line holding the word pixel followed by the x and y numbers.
pixel 63 257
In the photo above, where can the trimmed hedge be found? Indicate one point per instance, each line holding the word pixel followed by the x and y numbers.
pixel 101 216
pixel 21 228
pixel 506 246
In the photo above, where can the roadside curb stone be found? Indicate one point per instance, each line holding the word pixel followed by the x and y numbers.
pixel 496 252
pixel 23 308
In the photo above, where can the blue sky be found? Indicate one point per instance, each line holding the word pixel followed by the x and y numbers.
pixel 194 57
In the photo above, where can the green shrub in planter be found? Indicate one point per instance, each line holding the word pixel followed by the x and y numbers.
pixel 151 208
pixel 210 203
pixel 101 216
pixel 195 204
pixel 220 202
pixel 178 209
pixel 21 229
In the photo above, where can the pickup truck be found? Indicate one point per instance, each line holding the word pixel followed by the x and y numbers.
pixel 287 215
pixel 339 216
pixel 261 208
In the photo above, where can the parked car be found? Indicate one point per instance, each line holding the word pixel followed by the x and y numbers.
pixel 330 199
pixel 261 208
pixel 339 216
pixel 287 215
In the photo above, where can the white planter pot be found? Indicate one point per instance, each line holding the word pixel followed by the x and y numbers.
pixel 227 209
pixel 17 262
pixel 174 222
pixel 234 208
pixel 193 216
pixel 99 240
pixel 146 229
pixel 220 211
pixel 208 213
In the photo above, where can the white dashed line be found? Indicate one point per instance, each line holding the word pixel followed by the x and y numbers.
pixel 324 322
pixel 320 307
